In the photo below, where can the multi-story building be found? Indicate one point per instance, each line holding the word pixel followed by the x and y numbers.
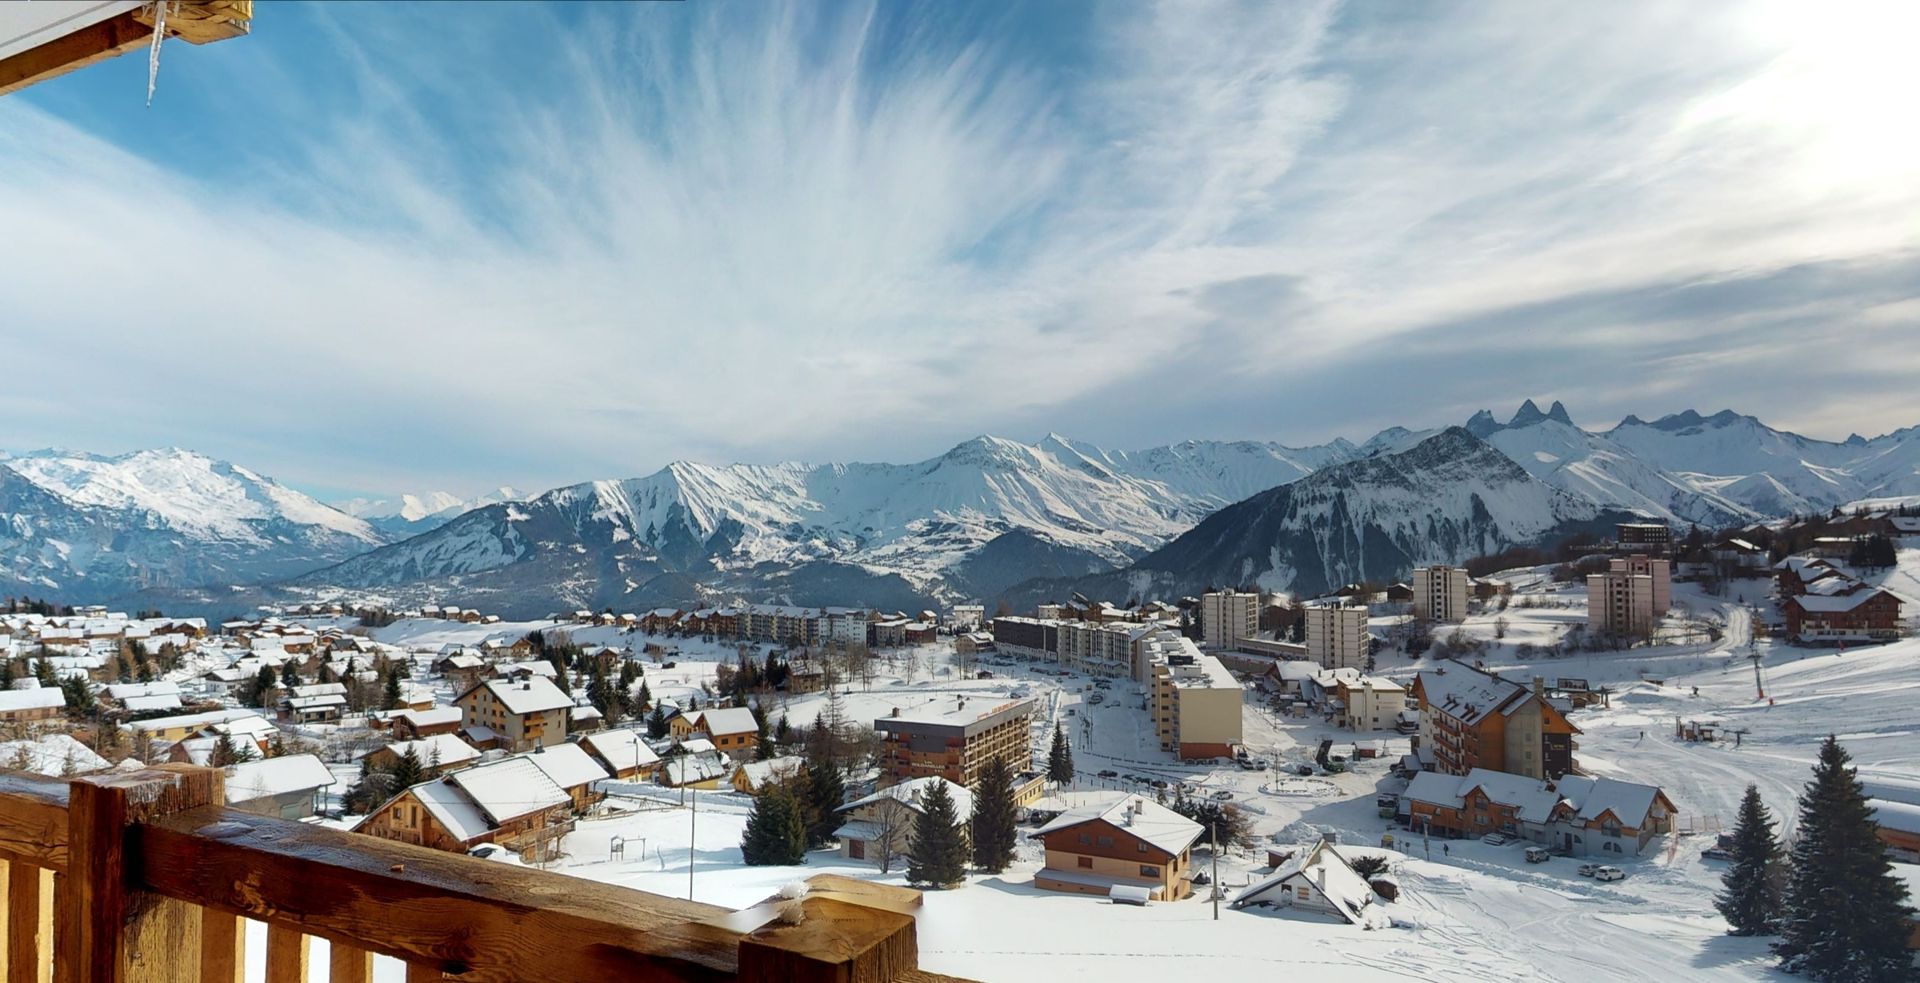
pixel 523 714
pixel 1031 638
pixel 1868 614
pixel 955 741
pixel 1193 700
pixel 1583 816
pixel 1369 703
pixel 732 730
pixel 967 617
pixel 1105 649
pixel 1631 597
pixel 1472 719
pixel 1051 612
pixel 1228 616
pixel 847 626
pixel 1135 843
pixel 1337 635
pixel 1440 593
pixel 1647 537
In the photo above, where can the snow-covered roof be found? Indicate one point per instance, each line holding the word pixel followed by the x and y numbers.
pixel 209 718
pixel 122 691
pixel 1464 692
pixel 451 750
pixel 685 769
pixel 32 699
pixel 1532 799
pixel 53 755
pixel 508 789
pixel 758 772
pixel 727 720
pixel 1902 816
pixel 429 718
pixel 452 809
pixel 567 765
pixel 698 745
pixel 1327 872
pixel 265 777
pixel 158 701
pixel 625 750
pixel 1828 605
pixel 1137 815
pixel 912 792
pixel 535 694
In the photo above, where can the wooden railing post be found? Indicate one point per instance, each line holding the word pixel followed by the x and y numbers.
pixel 847 932
pixel 108 929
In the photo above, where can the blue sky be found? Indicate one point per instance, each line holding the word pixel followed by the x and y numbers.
pixel 381 248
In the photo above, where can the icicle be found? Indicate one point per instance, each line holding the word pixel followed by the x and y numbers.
pixel 153 49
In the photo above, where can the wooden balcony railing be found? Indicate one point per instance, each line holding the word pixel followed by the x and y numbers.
pixel 145 876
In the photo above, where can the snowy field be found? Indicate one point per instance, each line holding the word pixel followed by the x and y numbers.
pixel 1468 912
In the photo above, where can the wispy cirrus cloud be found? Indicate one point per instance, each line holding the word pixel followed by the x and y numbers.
pixel 543 244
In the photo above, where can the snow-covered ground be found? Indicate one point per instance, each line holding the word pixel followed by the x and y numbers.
pixel 1468 911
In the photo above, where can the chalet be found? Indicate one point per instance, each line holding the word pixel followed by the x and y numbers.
pixel 1581 815
pixel 437 755
pixel 1318 880
pixel 625 754
pixel 289 787
pixel 732 730
pixel 1134 842
pixel 314 703
pixel 698 765
pixel 52 755
pixel 659 620
pixel 1899 824
pixel 887 633
pixel 410 725
pixel 755 777
pixel 510 802
pixel 879 827
pixel 808 681
pixel 1863 615
pixel 1473 719
pixel 574 770
pixel 234 723
pixel 145 697
pixel 585 717
pixel 464 669
pixel 529 713
pixel 919 633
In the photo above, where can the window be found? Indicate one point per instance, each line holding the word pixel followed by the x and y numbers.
pixel 1304 893
pixel 1149 871
pixel 1142 847
pixel 1086 838
pixel 1106 841
pixel 1085 863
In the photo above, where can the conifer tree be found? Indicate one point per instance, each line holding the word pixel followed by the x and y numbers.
pixel 392 694
pixel 994 822
pixel 657 722
pixel 763 736
pixel 224 752
pixel 826 791
pixel 645 702
pixel 1751 901
pixel 263 686
pixel 408 771
pixel 1845 913
pixel 938 854
pixel 1060 758
pixel 782 732
pixel 289 673
pixel 776 834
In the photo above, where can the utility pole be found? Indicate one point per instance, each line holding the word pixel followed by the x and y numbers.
pixel 1213 829
pixel 693 829
pixel 1759 688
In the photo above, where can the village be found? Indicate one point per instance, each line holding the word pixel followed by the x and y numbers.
pixel 1354 774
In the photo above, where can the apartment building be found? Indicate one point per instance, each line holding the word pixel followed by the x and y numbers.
pixel 1337 635
pixel 1440 593
pixel 1369 703
pixel 1030 638
pixel 1106 648
pixel 1473 719
pixel 523 714
pixel 955 740
pixel 1631 597
pixel 1226 617
pixel 1648 537
pixel 1193 700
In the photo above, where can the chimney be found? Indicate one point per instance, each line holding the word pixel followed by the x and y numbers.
pixel 896 711
pixel 1540 686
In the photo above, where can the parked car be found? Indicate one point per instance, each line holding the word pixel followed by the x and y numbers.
pixel 1537 855
pixel 1496 839
pixel 1109 773
pixel 1097 698
pixel 1609 873
pixel 1715 853
pixel 1303 769
pixel 1588 870
pixel 1222 795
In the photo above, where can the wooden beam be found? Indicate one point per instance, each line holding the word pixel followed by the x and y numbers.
pixel 223 947
pixel 193 21
pixel 833 942
pixel 468 918
pixel 96 42
pixel 29 924
pixel 110 930
pixel 33 820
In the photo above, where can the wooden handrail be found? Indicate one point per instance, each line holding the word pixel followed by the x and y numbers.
pixel 154 874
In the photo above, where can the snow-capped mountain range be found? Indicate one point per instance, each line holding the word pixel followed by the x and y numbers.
pixel 972 522
pixel 409 515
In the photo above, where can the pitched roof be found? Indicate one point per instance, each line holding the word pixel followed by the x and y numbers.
pixel 32 699
pixel 1327 871
pixel 624 749
pixel 451 750
pixel 265 777
pixel 452 809
pixel 428 718
pixel 727 720
pixel 535 694
pixel 912 792
pixel 1834 604
pixel 567 765
pixel 1150 821
pixel 508 789
pixel 1466 693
